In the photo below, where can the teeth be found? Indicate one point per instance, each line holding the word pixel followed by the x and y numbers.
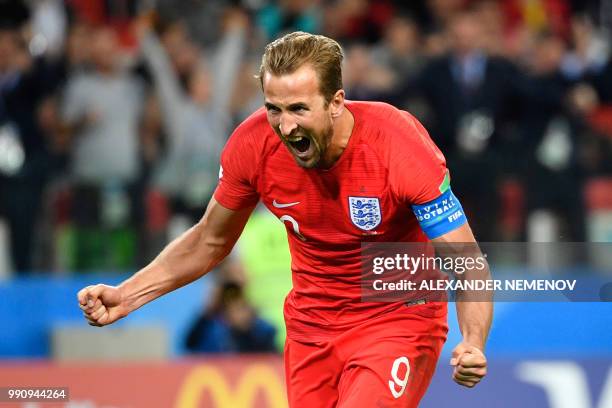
pixel 297 139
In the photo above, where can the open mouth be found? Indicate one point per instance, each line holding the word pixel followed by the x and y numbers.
pixel 300 144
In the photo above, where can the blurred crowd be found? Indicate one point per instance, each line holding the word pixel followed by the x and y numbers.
pixel 113 113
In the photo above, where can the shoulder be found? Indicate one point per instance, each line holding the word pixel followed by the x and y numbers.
pixel 396 137
pixel 384 125
pixel 371 110
pixel 415 166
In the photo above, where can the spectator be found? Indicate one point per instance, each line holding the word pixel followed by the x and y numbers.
pixel 553 176
pixel 196 122
pixel 471 97
pixel 279 18
pixel 365 79
pixel 400 54
pixel 590 51
pixel 202 20
pixel 399 49
pixel 230 325
pixel 492 81
pixel 102 109
pixel 27 159
pixel 357 20
pixel 246 98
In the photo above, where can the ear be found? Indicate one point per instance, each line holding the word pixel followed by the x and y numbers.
pixel 337 103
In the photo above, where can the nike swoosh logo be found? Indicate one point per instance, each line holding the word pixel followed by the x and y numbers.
pixel 279 205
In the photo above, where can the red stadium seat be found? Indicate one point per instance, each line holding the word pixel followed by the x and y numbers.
pixel 601 120
pixel 598 194
pixel 512 210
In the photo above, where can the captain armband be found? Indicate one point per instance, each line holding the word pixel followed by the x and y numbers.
pixel 441 215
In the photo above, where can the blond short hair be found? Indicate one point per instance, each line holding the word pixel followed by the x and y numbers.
pixel 288 53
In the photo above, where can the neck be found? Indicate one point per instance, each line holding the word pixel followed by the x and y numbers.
pixel 342 130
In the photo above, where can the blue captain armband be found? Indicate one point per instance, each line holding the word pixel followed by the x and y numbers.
pixel 439 216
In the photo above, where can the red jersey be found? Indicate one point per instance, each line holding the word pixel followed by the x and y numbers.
pixel 389 164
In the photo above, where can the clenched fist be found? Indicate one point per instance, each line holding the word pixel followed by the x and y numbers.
pixel 470 365
pixel 101 304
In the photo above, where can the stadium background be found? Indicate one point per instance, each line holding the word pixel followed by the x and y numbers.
pixel 112 116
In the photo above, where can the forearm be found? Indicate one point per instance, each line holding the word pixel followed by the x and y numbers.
pixel 474 307
pixel 167 86
pixel 184 260
pixel 474 321
pixel 226 65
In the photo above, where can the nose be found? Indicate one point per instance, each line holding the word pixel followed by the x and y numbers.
pixel 287 125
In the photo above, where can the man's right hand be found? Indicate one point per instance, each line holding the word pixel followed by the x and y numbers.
pixel 101 304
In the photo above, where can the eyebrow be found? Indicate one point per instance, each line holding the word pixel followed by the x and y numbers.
pixel 297 106
pixel 292 106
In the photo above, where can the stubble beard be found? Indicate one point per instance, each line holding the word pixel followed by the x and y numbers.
pixel 321 145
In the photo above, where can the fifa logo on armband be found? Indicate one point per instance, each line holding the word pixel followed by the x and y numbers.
pixel 454 217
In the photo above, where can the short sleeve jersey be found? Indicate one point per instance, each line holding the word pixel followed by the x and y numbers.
pixel 389 164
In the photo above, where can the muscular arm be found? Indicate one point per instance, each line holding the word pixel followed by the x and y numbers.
pixel 184 260
pixel 474 316
pixel 474 310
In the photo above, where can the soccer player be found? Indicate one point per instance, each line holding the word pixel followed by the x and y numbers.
pixel 314 159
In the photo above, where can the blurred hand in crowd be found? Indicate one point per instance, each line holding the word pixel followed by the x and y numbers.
pixel 235 18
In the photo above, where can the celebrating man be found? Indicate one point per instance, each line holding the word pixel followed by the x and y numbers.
pixel 317 161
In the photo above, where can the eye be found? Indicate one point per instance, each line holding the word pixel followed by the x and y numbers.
pixel 272 109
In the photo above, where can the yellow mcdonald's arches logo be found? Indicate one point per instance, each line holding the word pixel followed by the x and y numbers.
pixel 255 377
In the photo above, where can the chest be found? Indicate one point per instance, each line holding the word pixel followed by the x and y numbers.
pixel 347 204
pixel 112 98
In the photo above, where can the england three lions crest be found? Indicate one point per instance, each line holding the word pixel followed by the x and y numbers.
pixel 365 212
